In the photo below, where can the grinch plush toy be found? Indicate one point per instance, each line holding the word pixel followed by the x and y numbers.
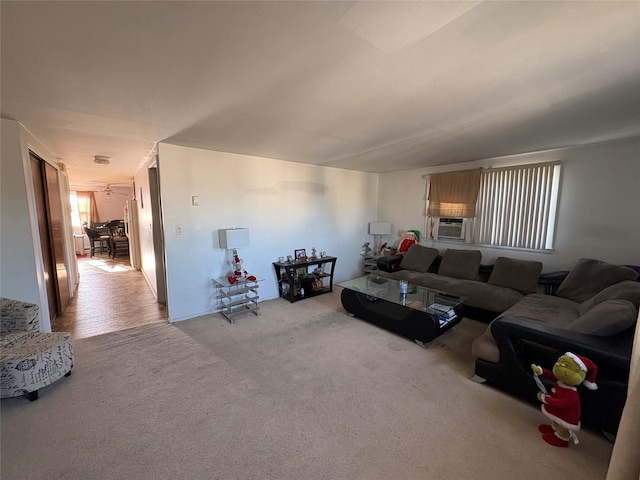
pixel 562 405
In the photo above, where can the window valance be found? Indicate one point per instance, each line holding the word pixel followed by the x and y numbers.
pixel 454 194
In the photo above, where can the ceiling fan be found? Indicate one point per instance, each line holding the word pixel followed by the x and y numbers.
pixel 108 191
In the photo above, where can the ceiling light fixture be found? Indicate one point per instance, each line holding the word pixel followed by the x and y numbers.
pixel 102 160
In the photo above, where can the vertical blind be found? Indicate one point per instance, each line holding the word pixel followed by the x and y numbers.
pixel 516 206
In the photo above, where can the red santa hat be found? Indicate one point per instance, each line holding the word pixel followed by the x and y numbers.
pixel 588 367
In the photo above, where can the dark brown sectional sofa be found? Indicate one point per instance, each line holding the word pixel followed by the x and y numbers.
pixel 593 313
pixel 489 290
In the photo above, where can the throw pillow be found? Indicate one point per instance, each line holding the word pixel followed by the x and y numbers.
pixel 460 263
pixel 606 318
pixel 521 275
pixel 589 276
pixel 418 258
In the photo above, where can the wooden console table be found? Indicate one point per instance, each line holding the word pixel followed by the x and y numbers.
pixel 300 280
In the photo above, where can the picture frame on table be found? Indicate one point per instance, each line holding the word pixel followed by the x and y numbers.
pixel 300 255
pixel 289 258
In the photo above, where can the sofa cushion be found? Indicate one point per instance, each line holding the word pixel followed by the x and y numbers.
pixel 521 275
pixel 546 309
pixel 537 307
pixel 418 258
pixel 460 263
pixel 627 290
pixel 478 294
pixel 590 276
pixel 606 318
pixel 485 296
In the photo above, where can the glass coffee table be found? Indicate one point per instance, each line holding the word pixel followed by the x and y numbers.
pixel 421 313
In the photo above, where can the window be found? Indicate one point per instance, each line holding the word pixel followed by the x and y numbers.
pixel 75 214
pixel 83 208
pixel 516 207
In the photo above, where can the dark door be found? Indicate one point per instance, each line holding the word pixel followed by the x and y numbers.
pixel 56 234
pixel 49 211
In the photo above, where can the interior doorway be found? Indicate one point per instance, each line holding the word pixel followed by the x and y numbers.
pixel 111 296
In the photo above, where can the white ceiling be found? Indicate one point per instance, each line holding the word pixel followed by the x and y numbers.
pixel 372 86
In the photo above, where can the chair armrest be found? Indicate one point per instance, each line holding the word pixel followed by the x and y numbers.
pixel 614 351
pixel 18 316
pixel 389 263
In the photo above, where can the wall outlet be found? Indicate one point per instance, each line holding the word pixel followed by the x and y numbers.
pixel 178 229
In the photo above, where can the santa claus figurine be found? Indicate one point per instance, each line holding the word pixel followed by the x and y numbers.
pixel 237 271
pixel 409 237
pixel 562 405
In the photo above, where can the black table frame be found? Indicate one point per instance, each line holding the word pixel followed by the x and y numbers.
pixel 423 327
pixel 300 287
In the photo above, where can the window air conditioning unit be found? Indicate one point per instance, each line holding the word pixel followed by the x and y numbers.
pixel 450 228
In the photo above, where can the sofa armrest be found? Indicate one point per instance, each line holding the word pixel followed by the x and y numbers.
pixel 613 351
pixel 389 263
pixel 523 342
pixel 435 265
pixel 552 280
pixel 484 272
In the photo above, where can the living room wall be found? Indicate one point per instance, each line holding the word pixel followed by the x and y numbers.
pixel 598 205
pixel 21 265
pixel 17 242
pixel 285 206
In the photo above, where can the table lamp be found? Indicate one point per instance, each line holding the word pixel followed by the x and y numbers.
pixel 377 229
pixel 232 239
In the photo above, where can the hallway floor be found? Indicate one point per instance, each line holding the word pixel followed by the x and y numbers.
pixel 111 296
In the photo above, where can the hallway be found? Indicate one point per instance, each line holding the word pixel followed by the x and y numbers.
pixel 111 296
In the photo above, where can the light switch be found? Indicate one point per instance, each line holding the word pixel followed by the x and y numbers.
pixel 195 200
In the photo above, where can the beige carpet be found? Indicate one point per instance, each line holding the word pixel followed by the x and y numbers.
pixel 302 391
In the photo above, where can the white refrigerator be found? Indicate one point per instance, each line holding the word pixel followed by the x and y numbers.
pixel 131 230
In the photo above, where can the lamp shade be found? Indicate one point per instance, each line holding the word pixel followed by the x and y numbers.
pixel 379 228
pixel 233 237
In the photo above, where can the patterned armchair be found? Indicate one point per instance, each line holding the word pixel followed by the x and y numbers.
pixel 29 359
